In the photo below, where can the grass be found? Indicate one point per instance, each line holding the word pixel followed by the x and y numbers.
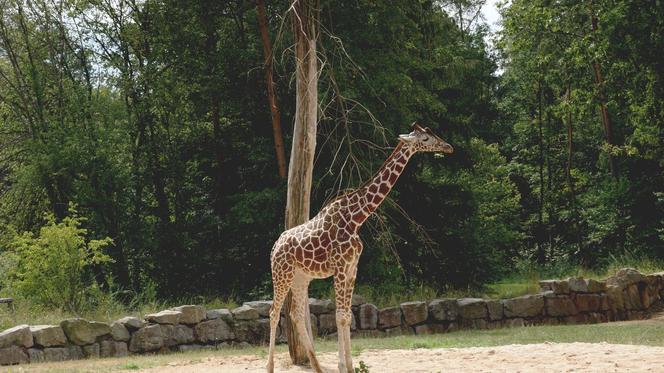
pixel 649 332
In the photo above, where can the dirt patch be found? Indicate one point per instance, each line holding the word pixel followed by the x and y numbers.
pixel 543 357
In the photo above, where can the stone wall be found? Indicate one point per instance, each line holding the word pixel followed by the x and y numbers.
pixel 625 296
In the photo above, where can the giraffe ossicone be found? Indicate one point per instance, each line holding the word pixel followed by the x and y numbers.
pixel 329 245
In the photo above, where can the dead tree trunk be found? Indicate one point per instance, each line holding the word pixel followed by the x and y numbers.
pixel 272 98
pixel 304 14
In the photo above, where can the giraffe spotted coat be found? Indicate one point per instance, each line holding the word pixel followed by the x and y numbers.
pixel 329 245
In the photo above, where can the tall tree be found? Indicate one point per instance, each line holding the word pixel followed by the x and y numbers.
pixel 269 85
pixel 604 111
pixel 304 15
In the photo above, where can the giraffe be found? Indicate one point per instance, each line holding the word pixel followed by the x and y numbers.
pixel 329 245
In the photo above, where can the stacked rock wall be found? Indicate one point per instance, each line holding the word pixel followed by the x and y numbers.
pixel 625 296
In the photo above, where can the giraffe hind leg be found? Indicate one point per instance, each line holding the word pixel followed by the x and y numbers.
pixel 344 281
pixel 282 283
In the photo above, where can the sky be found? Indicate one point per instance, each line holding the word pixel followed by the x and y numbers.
pixel 490 12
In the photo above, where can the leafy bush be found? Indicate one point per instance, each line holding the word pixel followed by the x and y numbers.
pixel 54 267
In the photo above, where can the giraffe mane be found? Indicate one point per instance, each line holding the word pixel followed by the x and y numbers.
pixel 348 191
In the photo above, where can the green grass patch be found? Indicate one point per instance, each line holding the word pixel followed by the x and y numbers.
pixel 130 366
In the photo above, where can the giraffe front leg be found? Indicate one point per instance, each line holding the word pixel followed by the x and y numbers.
pixel 343 285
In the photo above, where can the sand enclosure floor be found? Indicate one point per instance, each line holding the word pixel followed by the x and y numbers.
pixel 543 357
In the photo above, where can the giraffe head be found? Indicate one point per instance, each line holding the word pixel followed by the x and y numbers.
pixel 424 140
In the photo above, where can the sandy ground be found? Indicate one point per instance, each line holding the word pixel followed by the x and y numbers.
pixel 545 357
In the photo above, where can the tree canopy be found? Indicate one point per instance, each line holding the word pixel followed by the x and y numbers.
pixel 152 118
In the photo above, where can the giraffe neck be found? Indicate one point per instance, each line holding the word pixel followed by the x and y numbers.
pixel 374 192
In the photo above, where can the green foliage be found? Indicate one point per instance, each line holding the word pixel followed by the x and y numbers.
pixel 362 367
pixel 54 267
pixel 587 193
pixel 153 119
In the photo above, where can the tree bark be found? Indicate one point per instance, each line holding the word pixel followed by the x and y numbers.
pixel 272 98
pixel 300 171
pixel 606 119
pixel 568 170
pixel 541 254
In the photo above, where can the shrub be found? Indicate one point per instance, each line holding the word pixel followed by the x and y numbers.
pixel 54 267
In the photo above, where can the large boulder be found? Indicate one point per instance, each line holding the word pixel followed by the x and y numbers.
pixel 595 286
pixel 357 300
pixel 389 317
pixel 261 306
pixel 588 302
pixel 13 355
pixel 414 312
pixel 113 349
pixel 146 339
pixel 474 323
pixel 17 336
pixel 444 309
pixel 79 331
pixel 245 313
pixel 191 314
pixel 131 323
pixel 496 309
pixel 222 313
pixel 91 351
pixel 615 295
pixel 100 328
pixel 472 308
pixel 119 332
pixel 327 323
pixel 314 325
pixel 319 306
pixel 625 277
pixel 253 331
pixel 430 329
pixel 75 352
pixel 578 284
pixel 60 354
pixel 35 355
pixel 632 297
pixel 514 323
pixel 557 286
pixel 215 330
pixel 581 285
pixel 559 305
pixel 524 306
pixel 48 335
pixel 169 317
pixel 368 315
pixel 176 334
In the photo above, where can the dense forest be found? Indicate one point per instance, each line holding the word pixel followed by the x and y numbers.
pixel 139 131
